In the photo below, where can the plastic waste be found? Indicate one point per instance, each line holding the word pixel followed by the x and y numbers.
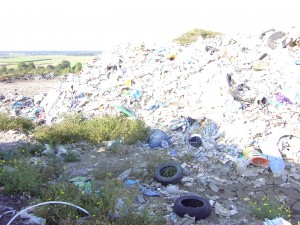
pixel 129 183
pixel 156 138
pixel 271 151
pixel 292 92
pixel 276 221
pixel 135 94
pixel 173 152
pixel 155 106
pixel 281 98
pixel 149 192
pixel 126 111
pixel 114 143
pixel 82 183
pixel 256 157
pixel 297 62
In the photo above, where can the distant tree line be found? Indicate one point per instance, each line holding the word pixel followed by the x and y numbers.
pixel 29 68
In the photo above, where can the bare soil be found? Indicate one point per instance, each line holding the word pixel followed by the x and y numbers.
pixel 29 88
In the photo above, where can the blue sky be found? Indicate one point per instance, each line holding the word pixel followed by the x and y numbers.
pixel 97 24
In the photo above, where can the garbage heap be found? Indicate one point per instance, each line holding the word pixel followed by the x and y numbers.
pixel 236 90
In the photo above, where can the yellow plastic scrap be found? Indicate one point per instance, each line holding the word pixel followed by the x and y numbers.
pixel 172 57
pixel 233 59
pixel 128 83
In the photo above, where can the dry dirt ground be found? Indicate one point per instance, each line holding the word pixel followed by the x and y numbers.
pixel 232 188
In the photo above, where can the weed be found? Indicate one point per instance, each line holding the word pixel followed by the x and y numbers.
pixel 18 176
pixel 107 171
pixel 71 156
pixel 188 157
pixel 16 123
pixel 102 206
pixel 155 161
pixel 30 150
pixel 193 35
pixel 6 155
pixel 53 168
pixel 269 208
pixel 169 172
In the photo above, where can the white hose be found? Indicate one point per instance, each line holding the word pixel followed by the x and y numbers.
pixel 45 203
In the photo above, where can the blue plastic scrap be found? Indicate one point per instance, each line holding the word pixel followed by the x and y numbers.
pixel 129 183
pixel 149 192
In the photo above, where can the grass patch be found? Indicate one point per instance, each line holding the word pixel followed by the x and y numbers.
pixel 194 34
pixel 21 124
pixel 97 130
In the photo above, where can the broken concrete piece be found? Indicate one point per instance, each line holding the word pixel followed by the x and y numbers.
pixel 124 174
pixel 174 190
pixel 220 210
pixel 187 220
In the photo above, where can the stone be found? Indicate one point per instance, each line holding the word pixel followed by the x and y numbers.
pixel 141 199
pixel 214 187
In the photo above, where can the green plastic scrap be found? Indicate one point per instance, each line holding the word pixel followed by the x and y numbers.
pixel 126 111
pixel 83 184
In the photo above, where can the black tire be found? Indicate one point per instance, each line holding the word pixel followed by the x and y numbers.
pixel 168 180
pixel 194 206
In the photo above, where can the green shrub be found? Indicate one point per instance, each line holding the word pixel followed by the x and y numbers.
pixel 70 130
pixel 193 35
pixel 98 130
pixel 108 128
pixel 17 123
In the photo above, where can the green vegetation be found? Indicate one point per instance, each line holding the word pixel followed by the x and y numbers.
pixel 97 130
pixel 269 208
pixel 19 66
pixel 19 175
pixel 109 201
pixel 193 35
pixel 17 123
pixel 29 68
pixel 75 128
pixel 169 172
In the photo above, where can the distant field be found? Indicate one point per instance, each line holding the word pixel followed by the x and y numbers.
pixel 44 60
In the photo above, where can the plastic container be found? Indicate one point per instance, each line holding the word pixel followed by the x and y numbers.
pixel 256 157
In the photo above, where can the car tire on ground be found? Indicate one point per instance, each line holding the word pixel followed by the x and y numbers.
pixel 194 206
pixel 168 180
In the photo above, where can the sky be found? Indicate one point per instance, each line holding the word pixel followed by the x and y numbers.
pixel 97 24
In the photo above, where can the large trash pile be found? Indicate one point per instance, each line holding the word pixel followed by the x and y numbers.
pixel 232 98
pixel 234 90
